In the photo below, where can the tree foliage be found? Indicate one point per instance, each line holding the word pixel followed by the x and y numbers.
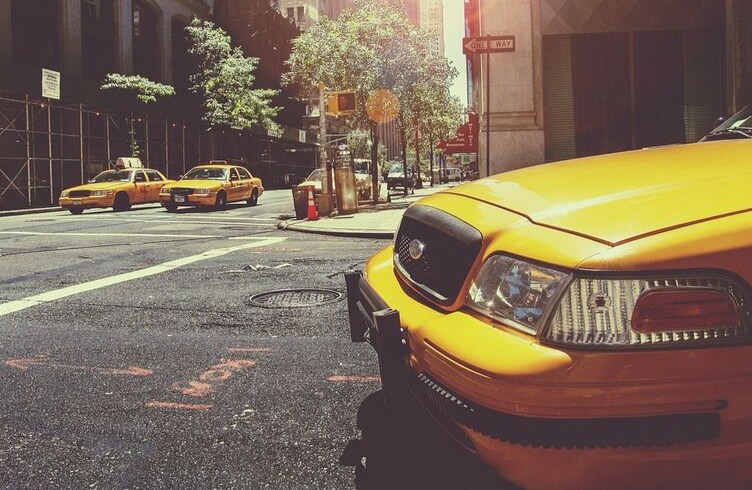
pixel 224 79
pixel 372 46
pixel 144 89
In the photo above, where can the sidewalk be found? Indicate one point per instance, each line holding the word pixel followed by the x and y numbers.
pixel 371 220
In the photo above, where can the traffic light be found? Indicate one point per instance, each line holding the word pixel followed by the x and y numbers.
pixel 341 103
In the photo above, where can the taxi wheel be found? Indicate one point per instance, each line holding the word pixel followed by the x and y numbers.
pixel 122 202
pixel 253 200
pixel 171 207
pixel 76 210
pixel 221 201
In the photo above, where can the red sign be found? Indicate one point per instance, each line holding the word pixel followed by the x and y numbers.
pixel 488 44
pixel 466 140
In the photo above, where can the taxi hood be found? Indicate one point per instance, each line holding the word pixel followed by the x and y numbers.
pixel 622 197
pixel 98 186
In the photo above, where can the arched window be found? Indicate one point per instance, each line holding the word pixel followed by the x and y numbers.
pixel 35 25
pixel 146 46
pixel 97 38
pixel 181 64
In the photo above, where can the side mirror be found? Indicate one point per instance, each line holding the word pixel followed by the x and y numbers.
pixel 90 181
pixel 180 177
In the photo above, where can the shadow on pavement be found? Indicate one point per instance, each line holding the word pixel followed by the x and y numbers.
pixel 421 456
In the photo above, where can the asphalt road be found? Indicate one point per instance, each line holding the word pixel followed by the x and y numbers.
pixel 132 357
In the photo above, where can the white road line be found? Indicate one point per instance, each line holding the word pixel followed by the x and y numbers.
pixel 152 221
pixel 22 304
pixel 66 233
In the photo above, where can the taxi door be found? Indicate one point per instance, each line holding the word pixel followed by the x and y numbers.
pixel 238 188
pixel 155 184
pixel 247 180
pixel 141 191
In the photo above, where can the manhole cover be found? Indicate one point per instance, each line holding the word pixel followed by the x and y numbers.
pixel 295 298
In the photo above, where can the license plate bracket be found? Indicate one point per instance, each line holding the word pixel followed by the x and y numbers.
pixel 178 198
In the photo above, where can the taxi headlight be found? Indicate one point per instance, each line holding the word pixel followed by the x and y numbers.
pixel 164 192
pixel 64 194
pixel 102 193
pixel 202 192
pixel 517 293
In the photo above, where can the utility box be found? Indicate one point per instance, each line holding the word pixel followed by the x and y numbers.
pixel 345 184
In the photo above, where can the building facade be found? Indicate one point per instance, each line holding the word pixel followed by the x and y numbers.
pixel 598 76
pixel 47 145
pixel 432 21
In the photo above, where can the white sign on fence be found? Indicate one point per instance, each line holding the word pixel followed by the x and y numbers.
pixel 50 84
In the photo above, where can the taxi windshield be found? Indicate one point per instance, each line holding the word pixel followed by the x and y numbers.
pixel 206 173
pixel 113 176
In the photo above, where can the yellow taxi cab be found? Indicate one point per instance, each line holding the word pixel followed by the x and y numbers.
pixel 581 324
pixel 212 185
pixel 118 189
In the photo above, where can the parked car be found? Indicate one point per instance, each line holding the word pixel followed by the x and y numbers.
pixel 362 182
pixel 396 178
pixel 582 324
pixel 118 189
pixel 212 185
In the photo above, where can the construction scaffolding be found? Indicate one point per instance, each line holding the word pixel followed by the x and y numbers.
pixel 47 147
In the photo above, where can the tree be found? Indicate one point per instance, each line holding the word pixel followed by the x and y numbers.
pixel 143 89
pixel 224 79
pixel 366 49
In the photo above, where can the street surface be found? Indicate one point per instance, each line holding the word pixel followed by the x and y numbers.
pixel 131 357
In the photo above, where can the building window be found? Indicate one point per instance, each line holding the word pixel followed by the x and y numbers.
pixel 97 38
pixel 291 13
pixel 146 47
pixel 36 32
pixel 301 14
pixel 91 9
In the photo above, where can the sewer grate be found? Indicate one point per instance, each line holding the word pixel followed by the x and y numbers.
pixel 295 298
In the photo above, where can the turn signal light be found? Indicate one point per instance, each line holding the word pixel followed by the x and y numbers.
pixel 684 309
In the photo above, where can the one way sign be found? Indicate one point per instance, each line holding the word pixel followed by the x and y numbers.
pixel 488 44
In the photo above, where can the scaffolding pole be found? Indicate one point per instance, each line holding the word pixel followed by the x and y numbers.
pixel 49 147
pixel 81 134
pixel 28 151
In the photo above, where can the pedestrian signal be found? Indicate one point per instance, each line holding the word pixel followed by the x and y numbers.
pixel 341 103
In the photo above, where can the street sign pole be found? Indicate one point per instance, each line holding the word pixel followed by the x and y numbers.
pixel 488 44
pixel 488 107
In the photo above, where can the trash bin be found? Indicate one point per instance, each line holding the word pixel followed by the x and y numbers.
pixel 300 200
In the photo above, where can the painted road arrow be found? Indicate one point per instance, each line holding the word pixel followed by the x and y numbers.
pixel 25 364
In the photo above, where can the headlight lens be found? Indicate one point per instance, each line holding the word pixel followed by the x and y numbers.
pixel 202 192
pixel 64 194
pixel 102 193
pixel 164 191
pixel 515 292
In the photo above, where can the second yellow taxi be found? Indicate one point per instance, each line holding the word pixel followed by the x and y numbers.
pixel 212 185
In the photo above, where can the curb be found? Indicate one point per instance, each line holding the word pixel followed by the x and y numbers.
pixel 285 225
pixel 19 212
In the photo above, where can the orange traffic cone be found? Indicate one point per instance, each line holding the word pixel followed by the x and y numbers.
pixel 312 214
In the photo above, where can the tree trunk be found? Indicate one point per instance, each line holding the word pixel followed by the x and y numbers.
pixel 403 140
pixel 375 162
pixel 418 180
pixel 430 146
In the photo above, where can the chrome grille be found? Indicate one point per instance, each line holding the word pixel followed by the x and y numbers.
pixel 450 249
pixel 79 193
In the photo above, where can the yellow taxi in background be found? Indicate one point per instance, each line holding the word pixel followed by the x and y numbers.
pixel 212 185
pixel 118 189
pixel 581 324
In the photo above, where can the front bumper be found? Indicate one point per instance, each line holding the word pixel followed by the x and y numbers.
pixel 86 202
pixel 190 200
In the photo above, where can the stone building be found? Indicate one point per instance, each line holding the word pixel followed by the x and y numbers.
pixel 598 76
pixel 47 145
